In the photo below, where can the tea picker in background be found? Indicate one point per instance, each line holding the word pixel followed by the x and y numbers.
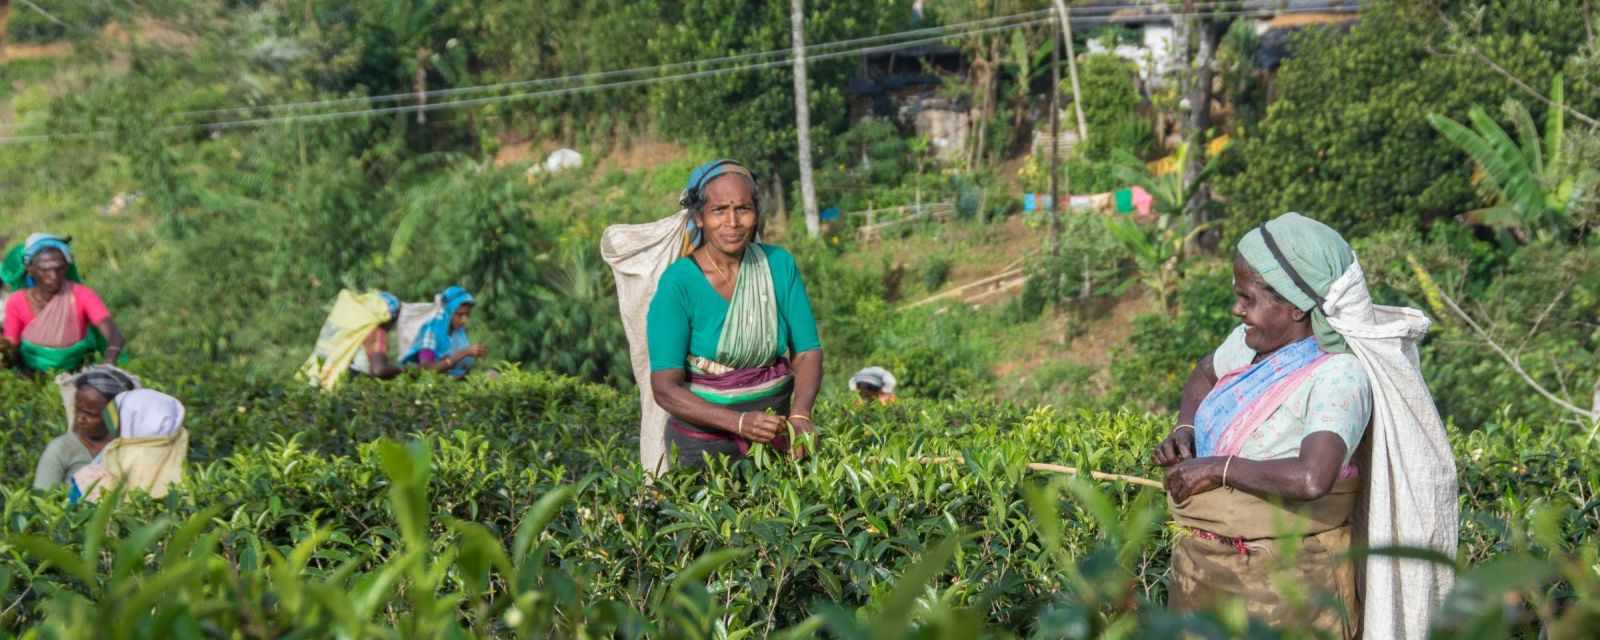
pixel 147 453
pixel 355 337
pixel 373 357
pixel 1267 440
pixel 442 344
pixel 87 433
pixel 732 347
pixel 53 321
pixel 874 384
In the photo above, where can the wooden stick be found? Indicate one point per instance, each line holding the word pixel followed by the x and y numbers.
pixel 1097 475
pixel 1056 468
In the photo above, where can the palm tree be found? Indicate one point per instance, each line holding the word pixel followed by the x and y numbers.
pixel 1534 184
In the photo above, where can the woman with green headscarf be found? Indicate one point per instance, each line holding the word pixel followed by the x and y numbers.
pixel 1263 459
pixel 56 323
pixel 734 353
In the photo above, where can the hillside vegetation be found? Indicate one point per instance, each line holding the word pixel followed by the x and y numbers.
pixel 226 167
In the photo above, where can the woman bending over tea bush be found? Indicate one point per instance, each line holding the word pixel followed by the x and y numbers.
pixel 148 452
pixel 1264 459
pixel 442 344
pixel 87 433
pixel 725 321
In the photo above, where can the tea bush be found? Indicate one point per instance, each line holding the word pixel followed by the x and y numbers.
pixel 518 509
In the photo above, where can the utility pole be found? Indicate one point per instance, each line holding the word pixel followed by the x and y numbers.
pixel 1055 142
pixel 5 19
pixel 1072 68
pixel 802 117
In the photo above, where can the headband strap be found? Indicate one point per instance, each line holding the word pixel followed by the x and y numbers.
pixel 1283 263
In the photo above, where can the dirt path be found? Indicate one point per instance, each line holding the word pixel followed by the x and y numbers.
pixel 1093 348
pixel 31 51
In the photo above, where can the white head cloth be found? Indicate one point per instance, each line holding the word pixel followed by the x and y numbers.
pixel 875 376
pixel 146 413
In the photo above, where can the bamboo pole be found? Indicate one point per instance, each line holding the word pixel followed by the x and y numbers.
pixel 1056 468
pixel 1055 143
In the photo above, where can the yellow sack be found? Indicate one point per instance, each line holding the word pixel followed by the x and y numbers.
pixel 354 316
pixel 150 464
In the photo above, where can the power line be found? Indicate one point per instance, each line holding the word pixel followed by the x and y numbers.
pixel 647 81
pixel 950 30
pixel 631 83
pixel 468 102
pixel 338 115
pixel 29 4
pixel 1101 12
pixel 613 73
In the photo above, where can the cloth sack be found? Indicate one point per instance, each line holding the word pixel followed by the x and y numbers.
pixel 638 255
pixel 151 465
pixel 149 451
pixel 1411 479
pixel 354 315
pixel 412 315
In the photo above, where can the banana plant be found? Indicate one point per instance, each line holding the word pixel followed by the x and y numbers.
pixel 1168 190
pixel 1159 252
pixel 1533 182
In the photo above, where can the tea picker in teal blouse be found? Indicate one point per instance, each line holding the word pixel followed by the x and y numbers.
pixel 730 329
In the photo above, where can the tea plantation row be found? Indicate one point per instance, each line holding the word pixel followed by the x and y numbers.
pixel 518 508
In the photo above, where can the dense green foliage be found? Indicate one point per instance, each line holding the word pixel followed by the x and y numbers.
pixel 1347 140
pixel 1163 349
pixel 1110 108
pixel 751 115
pixel 293 518
pixel 405 202
pixel 517 508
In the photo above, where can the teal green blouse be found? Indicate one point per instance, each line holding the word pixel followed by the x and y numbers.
pixel 686 313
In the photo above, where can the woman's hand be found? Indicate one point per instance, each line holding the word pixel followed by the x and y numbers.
pixel 756 426
pixel 475 351
pixel 1178 446
pixel 1193 476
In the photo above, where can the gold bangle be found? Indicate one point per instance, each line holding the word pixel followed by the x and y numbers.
pixel 800 416
pixel 741 423
pixel 1225 464
pixel 1184 426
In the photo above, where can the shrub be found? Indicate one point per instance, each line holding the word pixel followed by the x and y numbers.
pixel 1091 265
pixel 1111 109
pixel 935 272
pixel 1150 369
pixel 935 353
pixel 1348 141
pixel 518 509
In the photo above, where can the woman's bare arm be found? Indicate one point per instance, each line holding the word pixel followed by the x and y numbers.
pixel 671 390
pixel 807 382
pixel 114 340
pixel 1307 477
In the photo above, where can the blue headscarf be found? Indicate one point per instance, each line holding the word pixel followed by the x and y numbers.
pixel 435 334
pixel 392 302
pixel 694 191
pixel 14 272
pixel 38 242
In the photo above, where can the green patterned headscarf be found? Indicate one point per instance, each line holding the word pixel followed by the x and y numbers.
pixel 1309 257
